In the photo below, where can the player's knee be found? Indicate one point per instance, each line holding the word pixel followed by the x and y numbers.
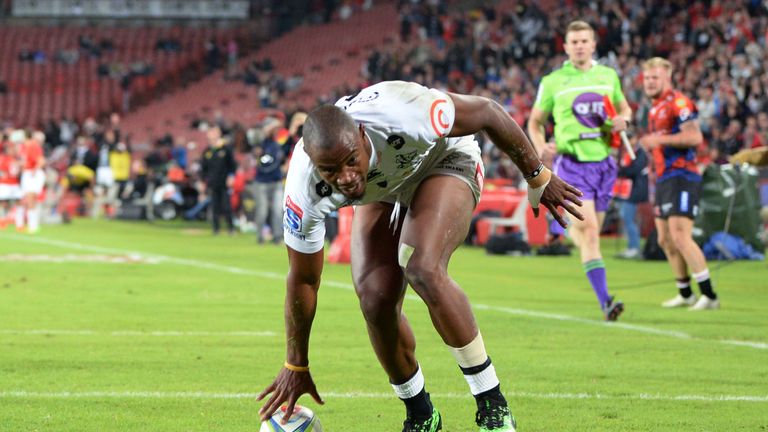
pixel 375 306
pixel 425 278
pixel 679 239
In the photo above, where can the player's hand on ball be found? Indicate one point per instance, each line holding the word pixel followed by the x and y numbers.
pixel 287 387
pixel 560 194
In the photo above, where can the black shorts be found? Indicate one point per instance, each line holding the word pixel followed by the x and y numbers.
pixel 677 196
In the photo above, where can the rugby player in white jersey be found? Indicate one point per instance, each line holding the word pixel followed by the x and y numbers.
pixel 405 156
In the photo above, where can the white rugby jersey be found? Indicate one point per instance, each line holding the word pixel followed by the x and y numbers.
pixel 405 123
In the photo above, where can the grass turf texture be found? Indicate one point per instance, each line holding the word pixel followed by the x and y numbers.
pixel 97 365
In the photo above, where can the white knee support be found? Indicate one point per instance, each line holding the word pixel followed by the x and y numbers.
pixel 404 254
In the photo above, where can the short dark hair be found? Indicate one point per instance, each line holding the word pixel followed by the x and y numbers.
pixel 327 126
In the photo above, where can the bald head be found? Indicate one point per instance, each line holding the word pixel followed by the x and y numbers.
pixel 327 127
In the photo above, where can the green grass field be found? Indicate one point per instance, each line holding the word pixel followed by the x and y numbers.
pixel 179 330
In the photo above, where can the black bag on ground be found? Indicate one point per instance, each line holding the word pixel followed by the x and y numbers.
pixel 507 244
pixel 652 250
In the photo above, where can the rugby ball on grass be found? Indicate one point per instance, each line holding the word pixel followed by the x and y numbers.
pixel 302 420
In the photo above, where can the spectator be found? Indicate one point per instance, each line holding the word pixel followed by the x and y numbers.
pixel 217 169
pixel 631 189
pixel 268 185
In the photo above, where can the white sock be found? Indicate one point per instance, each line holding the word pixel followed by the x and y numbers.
pixel 476 366
pixel 410 388
pixel 33 218
pixel 19 216
pixel 702 275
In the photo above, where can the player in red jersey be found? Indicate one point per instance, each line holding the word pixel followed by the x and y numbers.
pixel 10 169
pixel 32 182
pixel 674 136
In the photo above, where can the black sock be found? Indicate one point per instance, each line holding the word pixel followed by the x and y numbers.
pixel 705 286
pixel 494 393
pixel 684 286
pixel 419 407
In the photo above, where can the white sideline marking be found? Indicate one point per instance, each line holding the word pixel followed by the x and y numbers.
pixel 169 333
pixel 348 286
pixel 22 394
pixel 107 259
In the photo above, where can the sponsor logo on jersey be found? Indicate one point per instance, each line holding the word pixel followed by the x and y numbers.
pixel 685 114
pixel 437 117
pixel 358 98
pixel 323 189
pixel 396 141
pixel 404 160
pixel 372 174
pixel 589 109
pixel 293 215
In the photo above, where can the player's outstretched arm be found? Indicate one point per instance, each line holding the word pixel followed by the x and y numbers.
pixel 294 378
pixel 475 114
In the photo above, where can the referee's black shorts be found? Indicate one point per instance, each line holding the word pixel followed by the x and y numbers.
pixel 677 196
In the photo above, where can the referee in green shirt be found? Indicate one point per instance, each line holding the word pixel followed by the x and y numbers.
pixel 574 96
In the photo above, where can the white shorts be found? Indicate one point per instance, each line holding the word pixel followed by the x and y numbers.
pixel 32 181
pixel 104 176
pixel 459 158
pixel 9 192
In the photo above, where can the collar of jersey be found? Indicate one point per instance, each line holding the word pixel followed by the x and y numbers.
pixel 568 65
pixel 662 97
pixel 372 160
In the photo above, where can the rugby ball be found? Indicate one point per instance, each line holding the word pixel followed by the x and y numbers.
pixel 302 420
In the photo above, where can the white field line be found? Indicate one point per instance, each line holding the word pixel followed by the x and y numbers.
pixel 22 394
pixel 348 286
pixel 167 333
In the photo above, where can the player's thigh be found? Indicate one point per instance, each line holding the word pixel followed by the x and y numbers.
pixel 374 251
pixel 438 218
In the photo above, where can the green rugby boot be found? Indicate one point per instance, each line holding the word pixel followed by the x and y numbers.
pixel 432 424
pixel 494 416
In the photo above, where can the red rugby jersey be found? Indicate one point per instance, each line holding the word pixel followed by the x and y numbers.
pixel 668 113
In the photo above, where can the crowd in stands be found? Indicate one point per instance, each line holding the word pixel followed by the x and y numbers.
pixel 91 169
pixel 717 48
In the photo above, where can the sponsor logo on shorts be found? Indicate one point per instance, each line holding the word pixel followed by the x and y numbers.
pixel 293 215
pixel 684 201
pixel 298 235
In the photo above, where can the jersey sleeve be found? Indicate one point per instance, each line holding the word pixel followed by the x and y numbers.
pixel 303 220
pixel 544 98
pixel 618 95
pixel 684 108
pixel 438 113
